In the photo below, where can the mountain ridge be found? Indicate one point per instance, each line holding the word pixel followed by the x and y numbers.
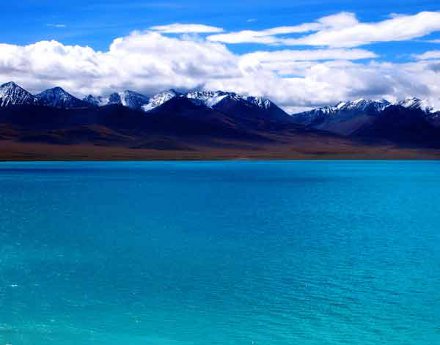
pixel 12 94
pixel 347 118
pixel 57 97
pixel 201 117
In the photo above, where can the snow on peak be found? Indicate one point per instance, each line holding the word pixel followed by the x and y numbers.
pixel 338 106
pixel 114 98
pixel 159 99
pixel 410 102
pixel 127 98
pixel 208 98
pixel 9 85
pixel 132 99
pixel 361 104
pixel 358 105
pixel 58 98
pixel 212 98
pixel 417 103
pixel 260 102
pixel 97 101
pixel 12 94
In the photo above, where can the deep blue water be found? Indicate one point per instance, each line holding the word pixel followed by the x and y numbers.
pixel 175 253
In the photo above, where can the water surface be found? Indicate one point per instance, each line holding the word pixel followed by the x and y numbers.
pixel 220 253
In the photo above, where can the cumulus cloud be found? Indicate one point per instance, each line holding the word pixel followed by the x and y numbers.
pixel 328 82
pixel 152 61
pixel 144 61
pixel 269 36
pixel 178 28
pixel 429 55
pixel 292 61
pixel 341 30
pixel 398 28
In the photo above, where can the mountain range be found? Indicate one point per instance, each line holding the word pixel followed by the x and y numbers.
pixel 410 121
pixel 210 121
pixel 346 118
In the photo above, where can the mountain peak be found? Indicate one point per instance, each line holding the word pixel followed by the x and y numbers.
pixel 208 98
pixel 132 99
pixel 13 94
pixel 343 118
pixel 58 89
pixel 417 103
pixel 411 102
pixel 260 102
pixel 361 104
pixel 57 97
pixel 160 98
pixel 9 84
pixel 126 98
pixel 212 98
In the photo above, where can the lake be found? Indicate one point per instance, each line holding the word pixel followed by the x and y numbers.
pixel 276 252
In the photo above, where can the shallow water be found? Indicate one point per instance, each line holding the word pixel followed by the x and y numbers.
pixel 327 252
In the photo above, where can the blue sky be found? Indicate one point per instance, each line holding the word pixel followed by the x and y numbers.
pixel 96 24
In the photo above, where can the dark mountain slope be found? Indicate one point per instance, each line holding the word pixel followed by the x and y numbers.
pixel 403 126
pixel 59 98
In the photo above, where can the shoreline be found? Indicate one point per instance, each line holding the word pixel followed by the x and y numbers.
pixel 22 152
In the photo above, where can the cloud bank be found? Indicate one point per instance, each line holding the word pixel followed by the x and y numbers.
pixel 341 30
pixel 327 66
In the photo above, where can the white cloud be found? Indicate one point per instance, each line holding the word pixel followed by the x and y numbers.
pixel 144 61
pixel 178 28
pixel 291 61
pixel 429 55
pixel 398 28
pixel 269 36
pixel 151 61
pixel 341 30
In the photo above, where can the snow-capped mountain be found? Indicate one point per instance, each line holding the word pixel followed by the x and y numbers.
pixel 97 101
pixel 362 104
pixel 260 111
pixel 59 98
pixel 417 103
pixel 260 102
pixel 207 114
pixel 343 118
pixel 209 98
pixel 431 112
pixel 212 98
pixel 357 105
pixel 159 99
pixel 346 118
pixel 12 94
pixel 128 99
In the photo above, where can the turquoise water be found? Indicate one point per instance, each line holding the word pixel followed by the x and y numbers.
pixel 220 253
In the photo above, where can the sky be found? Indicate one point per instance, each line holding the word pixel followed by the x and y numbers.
pixel 301 54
